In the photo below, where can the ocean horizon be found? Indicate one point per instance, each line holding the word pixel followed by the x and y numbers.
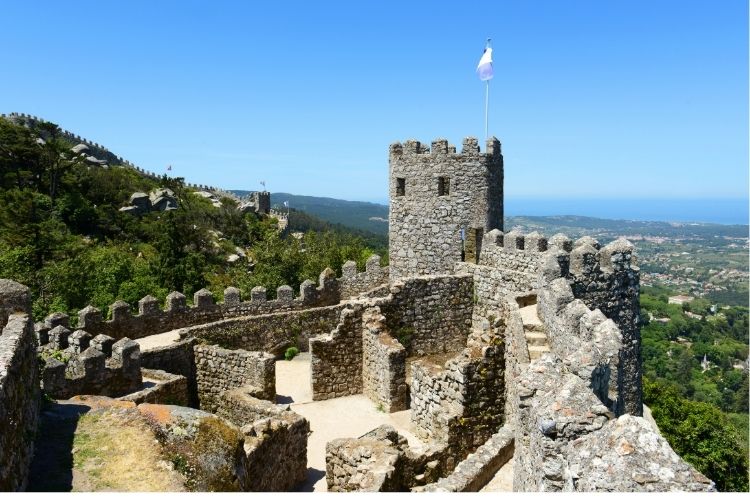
pixel 707 210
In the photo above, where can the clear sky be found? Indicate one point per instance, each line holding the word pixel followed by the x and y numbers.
pixel 590 98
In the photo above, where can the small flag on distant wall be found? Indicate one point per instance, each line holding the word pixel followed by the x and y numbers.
pixel 286 203
pixel 484 68
pixel 169 167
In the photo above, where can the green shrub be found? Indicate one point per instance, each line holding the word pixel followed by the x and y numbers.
pixel 291 353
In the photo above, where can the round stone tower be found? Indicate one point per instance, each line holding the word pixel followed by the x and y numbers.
pixel 441 204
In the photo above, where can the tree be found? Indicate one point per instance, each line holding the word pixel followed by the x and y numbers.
pixel 701 434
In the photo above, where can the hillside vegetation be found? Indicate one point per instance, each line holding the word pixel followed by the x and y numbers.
pixel 364 216
pixel 62 234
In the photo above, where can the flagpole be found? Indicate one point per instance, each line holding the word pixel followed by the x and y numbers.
pixel 486 110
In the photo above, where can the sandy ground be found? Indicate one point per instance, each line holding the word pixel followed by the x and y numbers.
pixel 158 340
pixel 503 480
pixel 350 416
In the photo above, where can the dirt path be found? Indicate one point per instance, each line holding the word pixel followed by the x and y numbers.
pixel 349 416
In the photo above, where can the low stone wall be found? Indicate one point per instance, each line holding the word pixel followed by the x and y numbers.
pixel 430 314
pixel 383 364
pixel 177 358
pixel 95 366
pixel 271 332
pixel 275 440
pixel 218 370
pixel 354 284
pixel 479 467
pixel 19 386
pixel 160 388
pixel 336 358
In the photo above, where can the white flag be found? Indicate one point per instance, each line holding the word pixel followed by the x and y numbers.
pixel 484 68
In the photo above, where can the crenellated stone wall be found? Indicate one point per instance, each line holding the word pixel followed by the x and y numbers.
pixel 151 319
pixel 353 284
pixel 19 386
pixel 89 365
pixel 218 370
pixel 608 279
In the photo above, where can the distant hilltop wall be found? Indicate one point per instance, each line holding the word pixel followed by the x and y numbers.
pixel 102 153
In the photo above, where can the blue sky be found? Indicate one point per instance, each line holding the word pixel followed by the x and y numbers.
pixel 644 99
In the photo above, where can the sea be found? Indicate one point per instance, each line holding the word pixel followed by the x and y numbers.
pixel 711 210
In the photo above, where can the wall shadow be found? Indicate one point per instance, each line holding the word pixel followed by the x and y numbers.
pixel 52 465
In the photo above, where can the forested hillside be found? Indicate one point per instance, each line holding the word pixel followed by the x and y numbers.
pixel 696 382
pixel 62 234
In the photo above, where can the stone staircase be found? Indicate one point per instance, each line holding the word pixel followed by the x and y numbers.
pixel 536 338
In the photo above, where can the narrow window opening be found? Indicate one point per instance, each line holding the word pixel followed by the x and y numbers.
pixel 444 186
pixel 400 186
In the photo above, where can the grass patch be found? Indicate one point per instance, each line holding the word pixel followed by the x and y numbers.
pixel 117 452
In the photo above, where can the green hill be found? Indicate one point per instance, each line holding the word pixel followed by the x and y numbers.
pixel 370 217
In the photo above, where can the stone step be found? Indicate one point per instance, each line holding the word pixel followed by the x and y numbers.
pixel 529 315
pixel 536 351
pixel 536 338
pixel 534 327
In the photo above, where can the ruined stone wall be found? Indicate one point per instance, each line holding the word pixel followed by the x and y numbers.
pixel 461 403
pixel 381 460
pixel 19 386
pixel 269 332
pixel 369 463
pixel 275 440
pixel 430 315
pixel 480 467
pixel 383 364
pixel 218 370
pixel 160 387
pixel 354 284
pixel 177 358
pixel 434 195
pixel 425 314
pixel 95 366
pixel 336 358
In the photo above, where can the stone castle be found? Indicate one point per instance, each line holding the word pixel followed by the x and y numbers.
pixel 497 349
